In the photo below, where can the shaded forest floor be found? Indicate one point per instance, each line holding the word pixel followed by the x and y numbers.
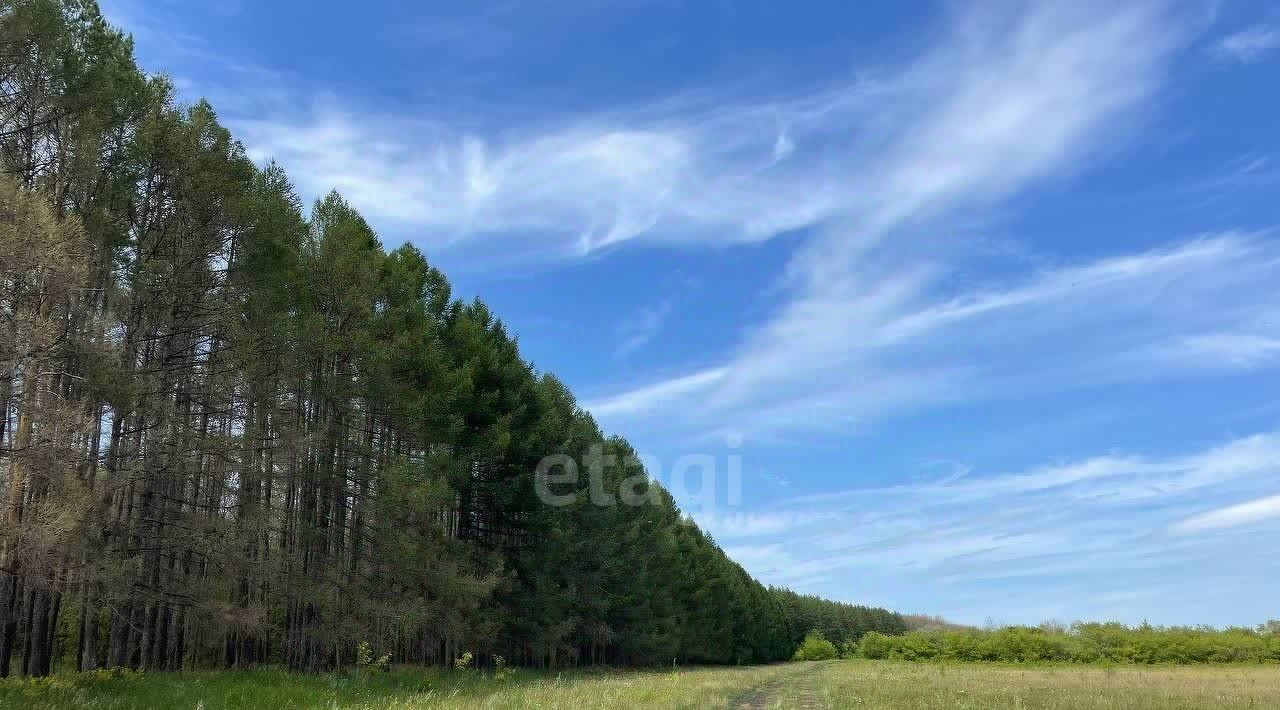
pixel 834 684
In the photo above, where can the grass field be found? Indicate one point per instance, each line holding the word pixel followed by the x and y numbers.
pixel 402 689
pixel 834 684
pixel 926 686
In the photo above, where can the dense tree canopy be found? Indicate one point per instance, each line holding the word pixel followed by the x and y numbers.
pixel 233 432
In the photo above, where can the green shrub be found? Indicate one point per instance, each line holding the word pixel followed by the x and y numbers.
pixel 501 671
pixel 876 645
pixel 366 662
pixel 1081 643
pixel 917 647
pixel 815 647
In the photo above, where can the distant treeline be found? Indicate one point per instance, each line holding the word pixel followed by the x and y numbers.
pixel 930 622
pixel 236 432
pixel 1079 643
pixel 837 622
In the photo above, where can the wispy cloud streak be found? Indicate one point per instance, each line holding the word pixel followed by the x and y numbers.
pixel 1085 525
pixel 1011 100
pixel 1250 44
pixel 1233 515
pixel 1010 95
pixel 902 337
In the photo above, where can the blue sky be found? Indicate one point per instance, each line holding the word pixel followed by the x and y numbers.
pixel 985 299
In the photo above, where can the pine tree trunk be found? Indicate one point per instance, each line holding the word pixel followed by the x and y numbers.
pixel 87 658
pixel 118 655
pixel 10 591
pixel 38 635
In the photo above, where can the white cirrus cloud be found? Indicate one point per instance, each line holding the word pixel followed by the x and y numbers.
pixel 637 330
pixel 1232 516
pixel 655 396
pixel 1009 97
pixel 1084 525
pixel 898 335
pixel 868 326
pixel 1250 44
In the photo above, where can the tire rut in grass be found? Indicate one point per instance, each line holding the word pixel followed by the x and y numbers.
pixel 765 696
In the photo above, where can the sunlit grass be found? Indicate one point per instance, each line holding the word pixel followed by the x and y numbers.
pixel 884 685
pixel 926 686
pixel 402 689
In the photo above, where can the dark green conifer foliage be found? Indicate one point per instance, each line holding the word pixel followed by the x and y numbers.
pixel 234 433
